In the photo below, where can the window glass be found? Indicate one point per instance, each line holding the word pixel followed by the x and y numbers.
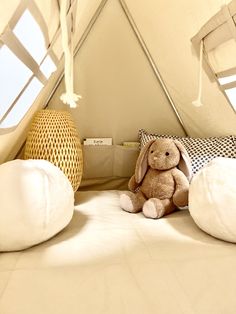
pixel 13 77
pixel 30 35
pixel 23 104
pixel 227 79
pixel 231 93
pixel 48 67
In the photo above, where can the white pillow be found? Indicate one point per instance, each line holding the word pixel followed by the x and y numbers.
pixel 36 202
pixel 212 198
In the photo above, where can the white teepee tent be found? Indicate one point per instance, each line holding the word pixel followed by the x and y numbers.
pixel 122 50
pixel 128 71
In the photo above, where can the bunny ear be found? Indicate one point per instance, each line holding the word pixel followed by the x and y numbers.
pixel 185 161
pixel 142 162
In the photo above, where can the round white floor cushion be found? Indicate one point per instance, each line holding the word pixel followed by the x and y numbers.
pixel 36 202
pixel 212 198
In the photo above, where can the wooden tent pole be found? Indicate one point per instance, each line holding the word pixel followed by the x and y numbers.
pixel 151 61
pixel 143 46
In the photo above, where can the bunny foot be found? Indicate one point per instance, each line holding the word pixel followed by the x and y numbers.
pixel 155 208
pixel 132 202
pixel 126 203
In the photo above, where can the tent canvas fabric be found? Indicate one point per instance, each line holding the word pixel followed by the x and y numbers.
pixel 136 65
pixel 116 80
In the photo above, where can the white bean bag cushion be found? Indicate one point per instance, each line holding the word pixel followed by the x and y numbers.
pixel 36 202
pixel 212 198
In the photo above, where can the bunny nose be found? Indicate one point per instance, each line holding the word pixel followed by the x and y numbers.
pixel 155 158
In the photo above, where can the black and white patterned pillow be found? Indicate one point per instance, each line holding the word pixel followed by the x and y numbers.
pixel 200 150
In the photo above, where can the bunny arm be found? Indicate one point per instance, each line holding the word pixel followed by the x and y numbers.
pixel 133 185
pixel 180 196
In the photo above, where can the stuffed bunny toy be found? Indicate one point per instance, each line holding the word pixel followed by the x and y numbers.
pixel 161 180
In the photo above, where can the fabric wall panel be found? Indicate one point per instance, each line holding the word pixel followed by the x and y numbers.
pixel 120 92
pixel 11 142
pixel 167 27
pixel 8 7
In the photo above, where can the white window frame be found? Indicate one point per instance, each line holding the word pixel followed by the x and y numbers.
pixel 217 30
pixel 13 43
pixel 9 39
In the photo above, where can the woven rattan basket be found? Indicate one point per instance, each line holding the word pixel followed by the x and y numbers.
pixel 53 137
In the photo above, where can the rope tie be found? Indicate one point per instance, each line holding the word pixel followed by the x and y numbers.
pixel 198 101
pixel 69 97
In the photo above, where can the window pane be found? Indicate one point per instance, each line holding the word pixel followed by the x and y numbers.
pixel 30 35
pixel 227 79
pixel 231 93
pixel 23 104
pixel 13 77
pixel 48 67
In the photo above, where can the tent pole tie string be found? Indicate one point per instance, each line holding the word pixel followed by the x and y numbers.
pixel 198 101
pixel 152 62
pixel 69 97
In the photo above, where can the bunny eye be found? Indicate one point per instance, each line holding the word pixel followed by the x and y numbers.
pixel 152 151
pixel 167 153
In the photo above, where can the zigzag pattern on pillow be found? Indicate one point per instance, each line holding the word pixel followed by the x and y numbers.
pixel 200 150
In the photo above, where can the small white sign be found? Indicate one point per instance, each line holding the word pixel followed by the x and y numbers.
pixel 98 141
